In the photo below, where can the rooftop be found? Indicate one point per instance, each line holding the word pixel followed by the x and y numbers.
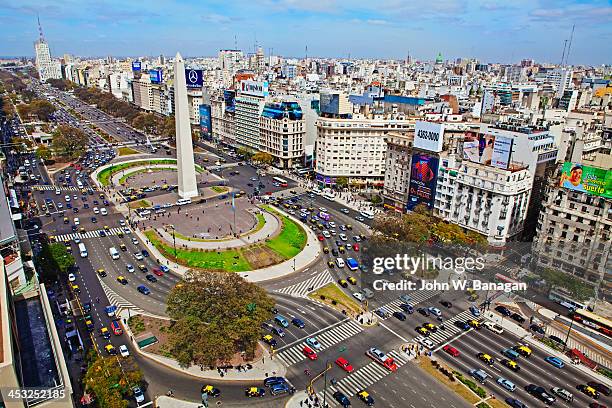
pixel 7 228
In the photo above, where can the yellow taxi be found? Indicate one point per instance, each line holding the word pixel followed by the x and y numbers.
pixel 431 327
pixel 352 280
pixel 268 339
pixel 66 220
pixel 255 392
pixel 475 324
pixel 82 230
pixel 341 249
pixel 342 283
pixel 120 234
pixel 366 398
pixel 326 250
pixel 588 390
pixel 105 333
pixel 486 358
pixel 511 364
pixel 101 273
pixel 123 247
pixel 423 331
pixel 76 289
pixel 89 324
pixel 522 350
pixel 110 349
pixel 211 391
pixel 142 267
pixel 330 264
pixel 122 280
pixel 106 228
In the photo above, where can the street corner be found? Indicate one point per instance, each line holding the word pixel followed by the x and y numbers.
pixel 171 402
pixel 367 319
pixel 298 400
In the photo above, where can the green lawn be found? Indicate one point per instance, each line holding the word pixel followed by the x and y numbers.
pixel 133 173
pixel 219 189
pixel 331 293
pixel 124 151
pixel 229 260
pixel 291 239
pixel 105 175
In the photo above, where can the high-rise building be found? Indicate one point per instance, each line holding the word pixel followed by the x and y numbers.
pixel 282 129
pixel 249 106
pixel 47 68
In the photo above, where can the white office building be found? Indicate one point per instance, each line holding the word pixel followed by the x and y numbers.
pixel 47 68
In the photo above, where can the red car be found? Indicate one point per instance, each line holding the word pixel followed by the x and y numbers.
pixel 308 352
pixel 451 350
pixel 320 237
pixel 356 247
pixel 158 272
pixel 117 330
pixel 345 365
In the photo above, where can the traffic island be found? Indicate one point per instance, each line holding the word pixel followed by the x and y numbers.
pixel 446 376
pixel 332 295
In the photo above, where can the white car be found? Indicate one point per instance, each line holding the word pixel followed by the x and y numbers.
pixel 359 296
pixel 77 221
pixel 103 211
pixel 135 241
pixel 495 328
pixel 322 209
pixel 96 210
pixel 332 224
pixel 435 311
pixel 122 223
pixel 326 234
pixel 343 237
pixel 427 343
pixel 67 198
pixel 57 192
pixel 71 277
pixel 138 256
pixel 123 350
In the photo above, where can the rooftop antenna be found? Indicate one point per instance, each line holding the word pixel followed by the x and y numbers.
pixel 235 42
pixel 569 47
pixel 40 31
pixel 563 55
pixel 306 57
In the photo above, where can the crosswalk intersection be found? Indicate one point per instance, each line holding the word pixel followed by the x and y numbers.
pixel 116 300
pixel 417 297
pixel 89 234
pixel 47 187
pixel 293 354
pixel 303 288
pixel 362 378
pixel 450 330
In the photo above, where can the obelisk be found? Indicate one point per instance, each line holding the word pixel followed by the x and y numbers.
pixel 187 185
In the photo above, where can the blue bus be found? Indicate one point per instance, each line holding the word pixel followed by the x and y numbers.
pixel 352 264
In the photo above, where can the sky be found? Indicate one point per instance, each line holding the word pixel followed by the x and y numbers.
pixel 489 30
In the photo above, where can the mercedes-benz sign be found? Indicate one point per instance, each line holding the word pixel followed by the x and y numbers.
pixel 193 78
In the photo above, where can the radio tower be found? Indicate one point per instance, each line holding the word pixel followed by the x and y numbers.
pixel 40 31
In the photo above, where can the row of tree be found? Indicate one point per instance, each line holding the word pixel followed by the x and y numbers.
pixel 215 316
pixel 37 109
pixel 53 261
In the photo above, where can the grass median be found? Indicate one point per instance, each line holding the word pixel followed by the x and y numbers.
pixel 104 176
pixel 139 171
pixel 291 239
pixel 125 151
pixel 219 189
pixel 332 295
pixel 457 387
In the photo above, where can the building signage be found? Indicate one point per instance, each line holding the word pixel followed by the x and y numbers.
pixel 428 136
pixel 423 180
pixel 136 66
pixel 194 78
pixel 155 75
pixel 478 148
pixel 255 88
pixel 205 122
pixel 586 179
pixel 502 150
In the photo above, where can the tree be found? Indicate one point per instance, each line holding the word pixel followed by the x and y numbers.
pixel 169 128
pixel 263 158
pixel 43 152
pixel 69 142
pixel 341 182
pixel 109 382
pixel 42 109
pixel 578 289
pixel 244 152
pixel 21 144
pixel 376 199
pixel 53 260
pixel 215 315
pixel 146 122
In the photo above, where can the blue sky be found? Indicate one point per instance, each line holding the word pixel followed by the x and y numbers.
pixel 490 30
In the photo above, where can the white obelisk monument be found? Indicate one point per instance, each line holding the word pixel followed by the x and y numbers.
pixel 187 185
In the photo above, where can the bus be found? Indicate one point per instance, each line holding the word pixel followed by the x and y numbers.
pixel 282 182
pixel 328 196
pixel 83 250
pixel 596 322
pixel 563 298
pixel 367 214
pixel 352 264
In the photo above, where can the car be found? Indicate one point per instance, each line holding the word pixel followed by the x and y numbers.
pixel 134 241
pixel 475 324
pixel 555 361
pixel 103 211
pixel 451 350
pixel 138 256
pixel 446 303
pixel 151 278
pixel 511 364
pixel 382 312
pixel 556 339
pixel 105 333
pixel 130 268
pixel 157 272
pixel 326 250
pixel 431 327
pixel 143 268
pixel 562 393
pixel 164 268
pixel 588 390
pixel 503 310
pixel 144 290
pixel 281 388
pixel 407 308
pixel 122 280
pixel 343 283
pixel 352 280
pixel 494 327
pixel 427 343
pixel 359 296
pixel 475 311
pixel 138 394
pixel 405 298
pixel 268 339
pixel 399 316
pixel 123 351
pixel 514 403
pixel 270 381
pixel 507 384
pixel 116 328
pixel 102 233
pixel 210 391
pixel 75 288
pixel 344 364
pixel 110 350
pixel 367 399
pixel 308 352
pixel 479 375
pixel 517 317
pixel 423 311
pixel 320 237
pixel 522 350
pixel 342 399
pixel 435 311
pixel 101 273
pixel 422 331
pixel 144 253
pixel 537 329
pixel 540 393
pixel 596 405
pixel 486 358
pixel 71 277
pixel 600 387
pixel 298 323
pixel 314 343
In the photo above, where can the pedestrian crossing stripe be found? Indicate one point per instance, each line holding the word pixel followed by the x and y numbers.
pixel 293 354
pixel 417 297
pixel 46 187
pixel 116 300
pixel 89 234
pixel 450 330
pixel 362 378
pixel 303 288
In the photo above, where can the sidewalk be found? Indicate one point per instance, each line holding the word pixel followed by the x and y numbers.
pixel 528 337
pixel 169 402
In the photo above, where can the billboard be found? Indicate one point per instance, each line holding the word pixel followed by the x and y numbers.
pixel 156 76
pixel 229 96
pixel 423 179
pixel 428 136
pixel 502 150
pixel 136 65
pixel 255 88
pixel 586 179
pixel 205 122
pixel 194 78
pixel 478 148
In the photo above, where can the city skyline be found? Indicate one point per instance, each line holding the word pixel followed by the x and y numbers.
pixel 488 31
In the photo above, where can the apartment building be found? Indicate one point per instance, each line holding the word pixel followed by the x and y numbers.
pixel 397 170
pixel 223 117
pixel 250 102
pixel 282 130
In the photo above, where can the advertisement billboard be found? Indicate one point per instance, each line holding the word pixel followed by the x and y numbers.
pixel 229 96
pixel 428 136
pixel 155 75
pixel 502 150
pixel 136 65
pixel 194 78
pixel 592 180
pixel 423 179
pixel 255 88
pixel 205 122
pixel 479 148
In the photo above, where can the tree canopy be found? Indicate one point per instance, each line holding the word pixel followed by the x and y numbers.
pixel 53 260
pixel 263 158
pixel 215 316
pixel 69 141
pixel 110 384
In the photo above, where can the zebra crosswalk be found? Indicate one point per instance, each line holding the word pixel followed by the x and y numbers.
pixel 303 288
pixel 450 330
pixel 293 354
pixel 47 187
pixel 116 300
pixel 89 234
pixel 417 297
pixel 362 378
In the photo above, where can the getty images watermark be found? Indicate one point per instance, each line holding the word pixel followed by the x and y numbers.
pixel 405 265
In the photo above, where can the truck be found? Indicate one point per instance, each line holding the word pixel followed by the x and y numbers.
pixel 83 250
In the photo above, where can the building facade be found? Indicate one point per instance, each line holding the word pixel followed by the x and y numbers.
pixel 282 129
